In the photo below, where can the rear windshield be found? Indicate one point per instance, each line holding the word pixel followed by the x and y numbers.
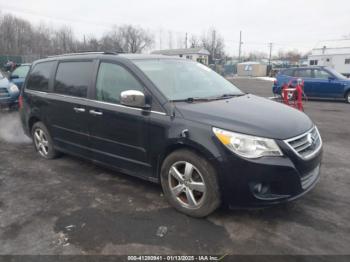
pixel 183 79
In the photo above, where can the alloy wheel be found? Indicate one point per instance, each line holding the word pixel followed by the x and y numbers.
pixel 41 142
pixel 187 184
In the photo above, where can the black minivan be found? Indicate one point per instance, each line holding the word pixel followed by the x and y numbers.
pixel 172 121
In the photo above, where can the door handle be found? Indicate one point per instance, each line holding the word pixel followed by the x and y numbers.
pixel 95 113
pixel 79 109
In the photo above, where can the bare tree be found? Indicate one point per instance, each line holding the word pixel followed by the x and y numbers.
pixel 134 39
pixel 214 43
pixel 194 41
pixel 253 56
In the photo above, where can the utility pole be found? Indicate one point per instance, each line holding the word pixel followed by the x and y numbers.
pixel 270 45
pixel 186 41
pixel 160 39
pixel 240 46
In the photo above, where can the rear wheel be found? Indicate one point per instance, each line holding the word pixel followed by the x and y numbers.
pixel 347 97
pixel 43 141
pixel 190 183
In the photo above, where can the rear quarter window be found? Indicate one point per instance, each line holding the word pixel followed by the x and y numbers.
pixel 73 78
pixel 39 76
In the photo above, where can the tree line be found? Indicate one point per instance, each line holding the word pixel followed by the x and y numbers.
pixel 20 37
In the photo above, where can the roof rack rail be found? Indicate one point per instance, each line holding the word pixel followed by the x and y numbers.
pixel 87 53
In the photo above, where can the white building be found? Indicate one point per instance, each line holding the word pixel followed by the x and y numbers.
pixel 335 54
pixel 196 54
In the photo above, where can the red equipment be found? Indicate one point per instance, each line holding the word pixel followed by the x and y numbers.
pixel 293 96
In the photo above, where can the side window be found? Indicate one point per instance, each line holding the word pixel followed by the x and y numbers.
pixel 321 74
pixel 112 79
pixel 347 61
pixel 39 76
pixel 288 72
pixel 73 78
pixel 303 73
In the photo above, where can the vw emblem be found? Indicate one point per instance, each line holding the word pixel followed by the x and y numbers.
pixel 311 139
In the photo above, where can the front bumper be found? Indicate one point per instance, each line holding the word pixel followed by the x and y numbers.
pixel 268 180
pixel 5 101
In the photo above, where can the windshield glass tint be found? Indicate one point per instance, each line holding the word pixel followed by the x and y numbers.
pixel 336 74
pixel 21 71
pixel 178 79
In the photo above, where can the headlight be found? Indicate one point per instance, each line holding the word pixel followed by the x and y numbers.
pixel 247 146
pixel 14 89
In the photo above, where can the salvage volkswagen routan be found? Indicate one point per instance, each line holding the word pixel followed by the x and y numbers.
pixel 172 121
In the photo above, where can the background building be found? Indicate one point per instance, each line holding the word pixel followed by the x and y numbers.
pixel 335 54
pixel 196 54
pixel 251 69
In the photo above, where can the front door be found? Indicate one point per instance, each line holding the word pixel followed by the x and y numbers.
pixel 326 86
pixel 118 133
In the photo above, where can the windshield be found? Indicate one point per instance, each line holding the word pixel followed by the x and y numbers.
pixel 21 71
pixel 1 75
pixel 180 80
pixel 336 74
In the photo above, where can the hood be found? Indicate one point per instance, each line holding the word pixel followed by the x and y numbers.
pixel 345 81
pixel 250 115
pixel 18 82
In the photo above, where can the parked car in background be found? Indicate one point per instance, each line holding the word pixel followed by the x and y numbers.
pixel 172 121
pixel 18 76
pixel 10 86
pixel 319 82
pixel 9 92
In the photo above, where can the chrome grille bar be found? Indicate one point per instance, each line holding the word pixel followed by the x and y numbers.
pixel 306 145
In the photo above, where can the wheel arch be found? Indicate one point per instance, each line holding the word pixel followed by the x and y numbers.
pixel 32 120
pixel 203 152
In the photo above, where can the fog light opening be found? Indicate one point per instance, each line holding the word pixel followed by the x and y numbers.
pixel 261 188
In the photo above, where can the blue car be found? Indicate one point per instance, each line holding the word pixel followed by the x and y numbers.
pixel 319 82
pixel 19 75
pixel 10 88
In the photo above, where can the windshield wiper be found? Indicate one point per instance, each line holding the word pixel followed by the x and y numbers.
pixel 230 95
pixel 190 99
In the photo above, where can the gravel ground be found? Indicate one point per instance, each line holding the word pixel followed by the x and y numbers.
pixel 70 206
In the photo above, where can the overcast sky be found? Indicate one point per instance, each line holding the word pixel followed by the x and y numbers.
pixel 289 24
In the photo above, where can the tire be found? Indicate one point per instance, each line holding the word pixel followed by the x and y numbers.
pixel 43 142
pixel 196 192
pixel 347 97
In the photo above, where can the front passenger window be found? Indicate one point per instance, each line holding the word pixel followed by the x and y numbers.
pixel 113 79
pixel 321 74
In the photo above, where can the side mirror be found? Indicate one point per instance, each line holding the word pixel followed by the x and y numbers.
pixel 14 76
pixel 133 98
pixel 331 78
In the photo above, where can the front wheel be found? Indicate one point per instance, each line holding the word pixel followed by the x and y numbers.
pixel 190 183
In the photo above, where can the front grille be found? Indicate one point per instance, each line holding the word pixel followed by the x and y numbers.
pixel 308 179
pixel 307 144
pixel 4 92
